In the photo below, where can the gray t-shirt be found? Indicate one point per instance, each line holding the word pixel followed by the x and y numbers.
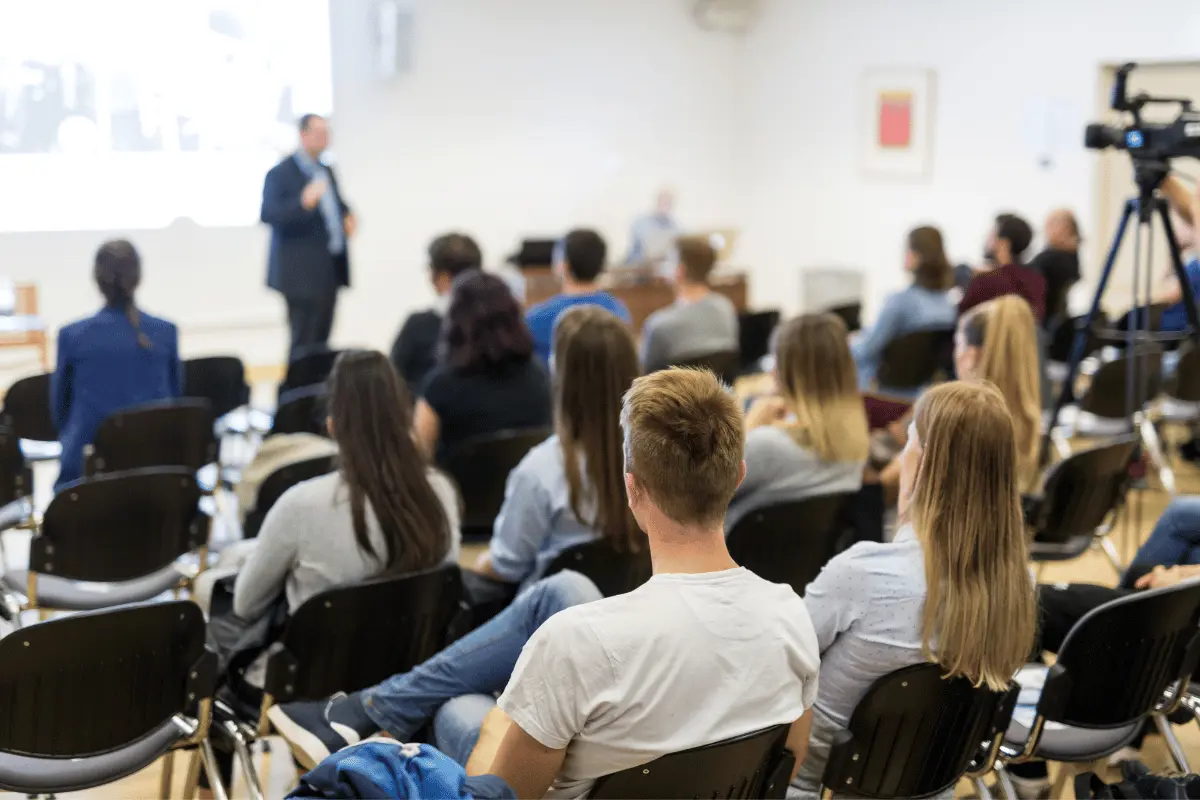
pixel 779 470
pixel 688 329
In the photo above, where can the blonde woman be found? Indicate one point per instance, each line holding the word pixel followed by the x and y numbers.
pixel 953 588
pixel 810 439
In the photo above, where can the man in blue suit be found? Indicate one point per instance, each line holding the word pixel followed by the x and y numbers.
pixel 310 226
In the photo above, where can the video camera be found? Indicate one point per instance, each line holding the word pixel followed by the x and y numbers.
pixel 1147 142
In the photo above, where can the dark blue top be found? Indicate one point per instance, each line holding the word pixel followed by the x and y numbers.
pixel 541 318
pixel 102 369
pixel 1174 317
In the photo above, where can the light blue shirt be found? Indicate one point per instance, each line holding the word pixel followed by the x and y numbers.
pixel 652 236
pixel 330 204
pixel 906 311
pixel 535 523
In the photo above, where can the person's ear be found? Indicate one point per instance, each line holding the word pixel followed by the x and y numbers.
pixel 741 472
pixel 631 490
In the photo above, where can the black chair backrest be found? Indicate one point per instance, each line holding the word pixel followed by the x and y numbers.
pixel 348 638
pixel 16 479
pixel 914 359
pixel 851 314
pixel 278 482
pixel 120 526
pixel 481 465
pixel 173 433
pixel 754 335
pixel 756 764
pixel 221 380
pixel 27 409
pixel 915 733
pixel 1116 661
pixel 724 365
pixel 1187 374
pixel 301 411
pixel 1062 340
pixel 789 542
pixel 94 682
pixel 1106 397
pixel 308 368
pixel 1081 490
pixel 613 572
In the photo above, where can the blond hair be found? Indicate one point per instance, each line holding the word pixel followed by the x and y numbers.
pixel 1006 332
pixel 684 443
pixel 980 609
pixel 819 382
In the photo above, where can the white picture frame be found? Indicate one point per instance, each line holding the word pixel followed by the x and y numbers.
pixel 896 123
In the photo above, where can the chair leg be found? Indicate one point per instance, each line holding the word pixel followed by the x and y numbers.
pixel 193 775
pixel 981 788
pixel 1154 449
pixel 1173 744
pixel 213 771
pixel 1114 557
pixel 1066 773
pixel 242 753
pixel 1061 446
pixel 168 772
pixel 1006 785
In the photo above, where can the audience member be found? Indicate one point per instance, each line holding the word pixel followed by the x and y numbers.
pixel 486 379
pixel 652 234
pixel 414 352
pixel 810 439
pixel 1009 239
pixel 1058 263
pixel 924 305
pixel 700 322
pixel 117 358
pixel 600 687
pixel 570 489
pixel 579 261
pixel 1186 208
pixel 953 587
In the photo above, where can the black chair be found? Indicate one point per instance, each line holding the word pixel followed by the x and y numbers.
pixel 1062 343
pixel 94 697
pixel 278 482
pixel 172 433
pixel 480 466
pixel 1079 496
pixel 16 479
pixel 221 380
pixel 301 411
pixel 913 360
pixel 1106 396
pixel 754 337
pixel 915 733
pixel 756 764
pixel 308 368
pixel 1186 385
pixel 27 412
pixel 850 313
pixel 613 572
pixel 113 539
pixel 725 365
pixel 789 542
pixel 1112 671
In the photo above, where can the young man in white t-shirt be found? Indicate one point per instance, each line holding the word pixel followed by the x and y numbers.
pixel 703 652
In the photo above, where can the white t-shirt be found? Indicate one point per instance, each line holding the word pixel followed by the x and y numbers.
pixel 682 661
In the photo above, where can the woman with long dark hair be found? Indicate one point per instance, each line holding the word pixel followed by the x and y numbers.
pixel 385 511
pixel 117 358
pixel 487 379
pixel 570 489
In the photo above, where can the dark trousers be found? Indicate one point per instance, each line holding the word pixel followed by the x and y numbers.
pixel 310 319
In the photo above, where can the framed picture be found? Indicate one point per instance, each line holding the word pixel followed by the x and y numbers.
pixel 896 123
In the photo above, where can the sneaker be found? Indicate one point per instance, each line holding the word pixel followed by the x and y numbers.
pixel 314 729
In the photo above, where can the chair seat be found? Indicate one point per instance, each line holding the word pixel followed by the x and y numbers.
pixel 1068 743
pixel 1056 371
pixel 31 775
pixel 68 595
pixel 1060 551
pixel 1085 423
pixel 1172 409
pixel 35 450
pixel 14 513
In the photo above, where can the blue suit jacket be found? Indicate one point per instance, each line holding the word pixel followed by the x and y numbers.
pixel 300 264
pixel 102 369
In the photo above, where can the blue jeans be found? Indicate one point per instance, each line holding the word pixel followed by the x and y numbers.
pixel 1176 536
pixel 480 663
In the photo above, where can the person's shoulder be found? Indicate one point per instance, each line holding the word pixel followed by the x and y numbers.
pixel 545 455
pixel 614 304
pixel 284 165
pixel 77 328
pixel 152 323
pixel 308 500
pixel 546 310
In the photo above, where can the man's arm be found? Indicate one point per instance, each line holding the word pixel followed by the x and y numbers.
pixel 280 205
pixel 797 740
pixel 1180 198
pixel 524 763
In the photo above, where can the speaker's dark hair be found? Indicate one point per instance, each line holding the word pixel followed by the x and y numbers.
pixel 118 271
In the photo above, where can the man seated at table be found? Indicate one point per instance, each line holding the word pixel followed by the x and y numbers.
pixel 578 262
pixel 700 322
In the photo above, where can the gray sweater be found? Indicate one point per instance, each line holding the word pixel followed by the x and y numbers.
pixel 778 470
pixel 306 544
pixel 686 330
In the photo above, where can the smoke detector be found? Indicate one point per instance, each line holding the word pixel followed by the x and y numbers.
pixel 725 16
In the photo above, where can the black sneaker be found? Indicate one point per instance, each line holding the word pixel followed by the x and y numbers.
pixel 314 729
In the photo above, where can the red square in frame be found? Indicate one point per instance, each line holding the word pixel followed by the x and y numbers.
pixel 894 124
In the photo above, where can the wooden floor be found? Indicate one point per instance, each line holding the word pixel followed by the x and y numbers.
pixel 1093 567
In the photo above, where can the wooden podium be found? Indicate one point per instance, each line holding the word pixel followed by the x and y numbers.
pixel 642 296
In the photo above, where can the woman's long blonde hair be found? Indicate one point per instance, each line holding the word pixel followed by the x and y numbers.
pixel 819 382
pixel 1006 333
pixel 980 609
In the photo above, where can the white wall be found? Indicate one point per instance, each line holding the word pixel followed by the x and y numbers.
pixel 804 200
pixel 521 117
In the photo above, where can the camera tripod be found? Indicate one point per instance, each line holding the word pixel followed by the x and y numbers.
pixel 1147 204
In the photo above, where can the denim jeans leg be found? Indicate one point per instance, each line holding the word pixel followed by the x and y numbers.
pixel 1175 535
pixel 479 663
pixel 457 723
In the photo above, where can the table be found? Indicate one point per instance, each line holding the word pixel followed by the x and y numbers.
pixel 642 296
pixel 25 328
